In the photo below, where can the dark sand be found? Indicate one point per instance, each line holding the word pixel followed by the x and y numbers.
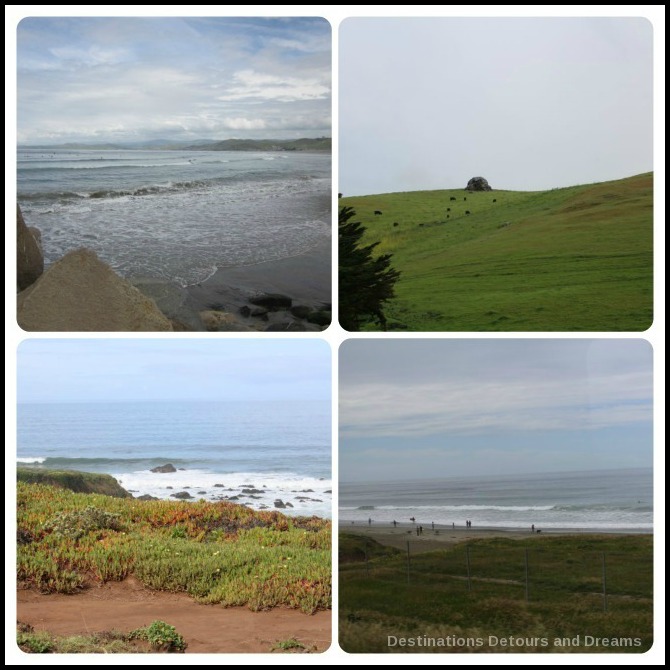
pixel 306 279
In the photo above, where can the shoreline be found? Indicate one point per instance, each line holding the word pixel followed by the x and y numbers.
pixel 305 278
pixel 292 503
pixel 445 537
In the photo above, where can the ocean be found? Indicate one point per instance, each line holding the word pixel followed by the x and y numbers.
pixel 607 500
pixel 281 450
pixel 176 215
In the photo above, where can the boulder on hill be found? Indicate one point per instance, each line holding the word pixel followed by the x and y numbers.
pixel 82 293
pixel 478 184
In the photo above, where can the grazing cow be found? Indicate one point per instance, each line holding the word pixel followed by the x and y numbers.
pixel 467 211
pixel 395 224
pixel 464 198
pixel 494 200
pixel 448 209
pixel 421 225
pixel 452 198
pixel 448 215
pixel 377 212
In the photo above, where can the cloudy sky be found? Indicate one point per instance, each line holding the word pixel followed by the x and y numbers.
pixel 527 103
pixel 125 79
pixel 208 369
pixel 415 408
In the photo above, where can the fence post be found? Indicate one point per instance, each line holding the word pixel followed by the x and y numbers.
pixel 526 557
pixel 604 584
pixel 467 565
pixel 408 561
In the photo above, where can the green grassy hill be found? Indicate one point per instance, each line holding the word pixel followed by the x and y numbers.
pixel 569 259
pixel 480 591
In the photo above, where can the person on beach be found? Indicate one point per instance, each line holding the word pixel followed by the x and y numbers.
pixel 532 528
pixel 395 523
pixel 417 531
pixel 370 521
pixel 432 525
pixel 420 530
pixel 453 526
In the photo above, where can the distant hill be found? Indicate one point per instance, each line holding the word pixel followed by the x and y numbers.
pixel 568 259
pixel 302 144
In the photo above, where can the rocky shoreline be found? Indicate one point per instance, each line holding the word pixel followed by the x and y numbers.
pixel 82 293
pixel 284 295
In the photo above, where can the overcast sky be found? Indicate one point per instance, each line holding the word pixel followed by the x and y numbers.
pixel 137 370
pixel 117 79
pixel 418 408
pixel 527 103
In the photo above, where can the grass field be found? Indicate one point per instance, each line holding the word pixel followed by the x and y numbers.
pixel 569 259
pixel 216 552
pixel 560 607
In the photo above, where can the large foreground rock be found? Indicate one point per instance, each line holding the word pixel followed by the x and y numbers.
pixel 82 293
pixel 29 257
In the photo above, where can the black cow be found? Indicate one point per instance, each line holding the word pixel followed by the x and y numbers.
pixel 448 215
pixel 448 209
pixel 467 211
pixel 494 200
pixel 395 224
pixel 452 198
pixel 377 212
pixel 464 198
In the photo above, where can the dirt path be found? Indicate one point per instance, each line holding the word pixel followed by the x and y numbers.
pixel 128 605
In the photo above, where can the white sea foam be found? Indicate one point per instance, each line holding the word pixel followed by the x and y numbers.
pixel 177 219
pixel 32 459
pixel 267 487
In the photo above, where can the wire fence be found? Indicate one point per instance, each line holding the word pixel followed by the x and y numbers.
pixel 533 574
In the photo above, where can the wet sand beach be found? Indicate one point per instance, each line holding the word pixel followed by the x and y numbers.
pixel 444 537
pixel 305 278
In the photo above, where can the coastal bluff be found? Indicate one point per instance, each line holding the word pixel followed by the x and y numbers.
pixel 79 482
pixel 82 293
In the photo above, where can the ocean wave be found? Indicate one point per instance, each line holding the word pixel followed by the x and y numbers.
pixel 53 461
pixel 303 495
pixel 126 166
pixel 460 508
pixel 157 189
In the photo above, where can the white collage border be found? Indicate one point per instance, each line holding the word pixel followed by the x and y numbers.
pixel 335 335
